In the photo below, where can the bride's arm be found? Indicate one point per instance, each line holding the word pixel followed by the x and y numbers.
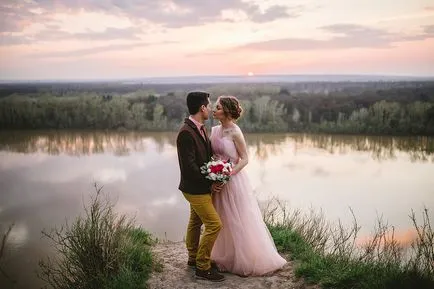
pixel 241 146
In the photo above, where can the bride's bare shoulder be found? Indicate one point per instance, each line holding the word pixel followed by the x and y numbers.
pixel 233 131
pixel 237 130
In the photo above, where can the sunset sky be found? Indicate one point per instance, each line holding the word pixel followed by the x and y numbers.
pixel 100 39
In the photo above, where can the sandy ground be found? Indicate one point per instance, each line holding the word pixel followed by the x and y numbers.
pixel 176 274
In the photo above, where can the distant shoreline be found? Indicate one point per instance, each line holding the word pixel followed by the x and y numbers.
pixel 225 79
pixel 373 108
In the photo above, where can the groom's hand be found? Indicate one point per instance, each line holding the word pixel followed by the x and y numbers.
pixel 216 187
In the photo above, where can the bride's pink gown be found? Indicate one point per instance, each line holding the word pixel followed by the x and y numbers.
pixel 244 246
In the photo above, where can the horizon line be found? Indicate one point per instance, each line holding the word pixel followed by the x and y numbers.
pixel 246 76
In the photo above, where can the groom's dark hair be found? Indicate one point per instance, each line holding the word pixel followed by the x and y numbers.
pixel 195 100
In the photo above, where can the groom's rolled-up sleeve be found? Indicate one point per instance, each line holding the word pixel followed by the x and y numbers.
pixel 187 155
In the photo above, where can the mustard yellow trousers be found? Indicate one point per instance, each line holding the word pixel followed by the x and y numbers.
pixel 202 211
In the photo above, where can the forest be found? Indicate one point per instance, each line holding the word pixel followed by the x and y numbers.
pixel 389 108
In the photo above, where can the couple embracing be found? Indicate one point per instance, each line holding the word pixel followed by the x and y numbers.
pixel 235 237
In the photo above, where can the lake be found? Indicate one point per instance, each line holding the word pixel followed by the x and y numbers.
pixel 45 176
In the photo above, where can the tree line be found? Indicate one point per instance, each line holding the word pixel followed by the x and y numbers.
pixel 267 108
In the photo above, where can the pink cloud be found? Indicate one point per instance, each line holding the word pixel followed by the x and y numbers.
pixel 347 36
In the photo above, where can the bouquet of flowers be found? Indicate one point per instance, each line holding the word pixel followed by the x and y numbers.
pixel 217 170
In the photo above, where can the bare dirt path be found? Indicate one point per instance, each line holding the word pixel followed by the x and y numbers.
pixel 176 274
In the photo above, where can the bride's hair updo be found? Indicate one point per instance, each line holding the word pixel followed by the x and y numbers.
pixel 231 106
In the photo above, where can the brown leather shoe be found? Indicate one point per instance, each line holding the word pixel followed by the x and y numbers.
pixel 210 275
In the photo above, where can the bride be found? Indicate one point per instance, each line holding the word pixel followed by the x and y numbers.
pixel 244 245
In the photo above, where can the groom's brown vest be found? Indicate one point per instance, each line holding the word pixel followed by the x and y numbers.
pixel 193 152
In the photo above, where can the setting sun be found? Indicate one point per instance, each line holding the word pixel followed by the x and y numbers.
pixel 250 74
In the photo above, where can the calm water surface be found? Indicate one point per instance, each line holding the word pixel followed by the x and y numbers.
pixel 46 176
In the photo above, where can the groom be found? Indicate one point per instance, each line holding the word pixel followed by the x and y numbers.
pixel 194 149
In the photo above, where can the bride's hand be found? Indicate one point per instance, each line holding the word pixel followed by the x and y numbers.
pixel 216 187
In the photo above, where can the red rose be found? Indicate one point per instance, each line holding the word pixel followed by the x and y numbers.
pixel 216 169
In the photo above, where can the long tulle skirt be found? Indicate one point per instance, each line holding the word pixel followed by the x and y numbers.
pixel 244 246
